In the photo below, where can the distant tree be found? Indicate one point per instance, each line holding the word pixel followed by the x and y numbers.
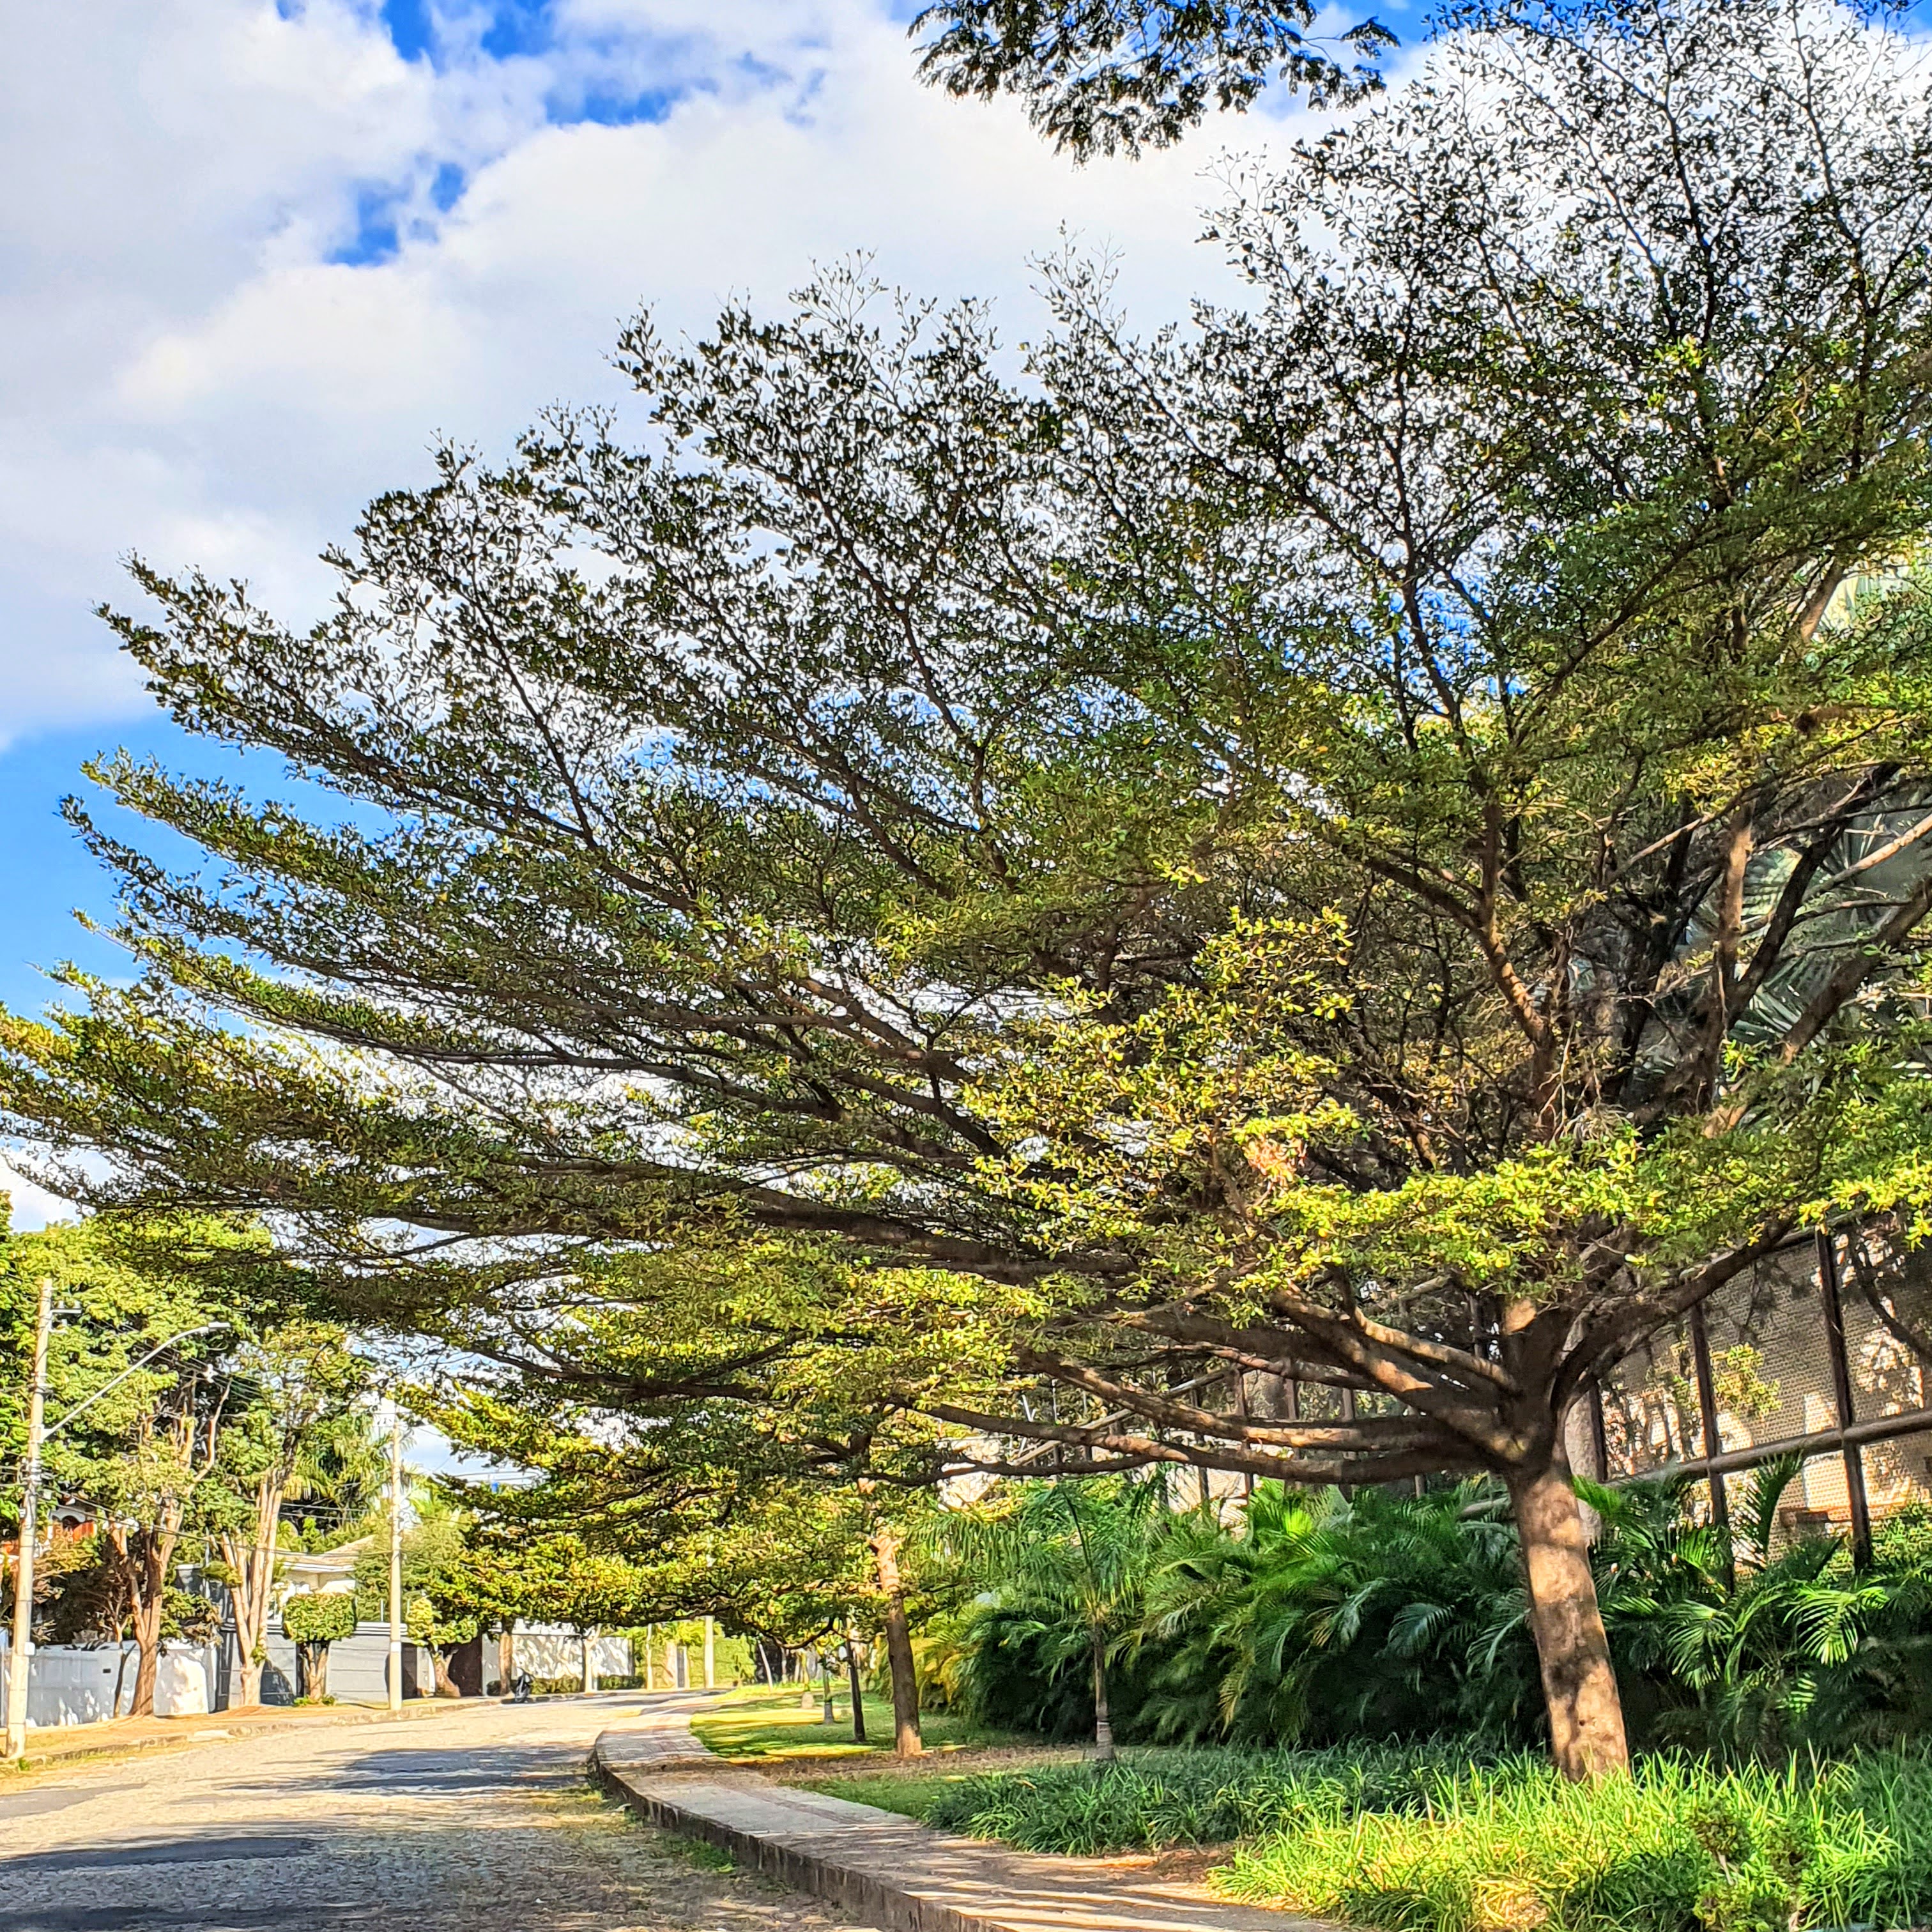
pixel 779 1499
pixel 312 1620
pixel 149 1409
pixel 301 1390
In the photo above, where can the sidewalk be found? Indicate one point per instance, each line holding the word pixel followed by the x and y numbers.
pixel 67 1743
pixel 891 1871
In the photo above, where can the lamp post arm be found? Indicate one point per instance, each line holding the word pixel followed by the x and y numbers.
pixel 133 1368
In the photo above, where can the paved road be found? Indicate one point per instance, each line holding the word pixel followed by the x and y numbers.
pixel 478 1821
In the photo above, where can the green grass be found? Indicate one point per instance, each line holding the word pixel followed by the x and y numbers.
pixel 911 1793
pixel 1422 1839
pixel 1517 1850
pixel 757 1725
pixel 701 1852
pixel 1153 1798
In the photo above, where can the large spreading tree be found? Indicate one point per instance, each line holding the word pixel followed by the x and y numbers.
pixel 1374 841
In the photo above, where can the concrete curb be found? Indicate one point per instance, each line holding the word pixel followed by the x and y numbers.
pixel 893 1873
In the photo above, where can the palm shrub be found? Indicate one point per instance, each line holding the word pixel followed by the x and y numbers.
pixel 1325 1617
pixel 1744 1649
pixel 1313 1617
pixel 1064 1568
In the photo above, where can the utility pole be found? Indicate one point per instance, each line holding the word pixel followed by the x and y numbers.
pixel 30 1499
pixel 395 1559
pixel 710 1651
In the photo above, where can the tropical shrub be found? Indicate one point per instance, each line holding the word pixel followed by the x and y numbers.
pixel 1322 1618
pixel 1742 1649
pixel 1312 1618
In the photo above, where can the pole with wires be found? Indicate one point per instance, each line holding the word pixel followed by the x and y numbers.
pixel 23 1570
pixel 395 1559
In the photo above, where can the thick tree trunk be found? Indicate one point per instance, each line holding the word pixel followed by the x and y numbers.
pixel 1586 1718
pixel 248 1682
pixel 147 1669
pixel 147 1567
pixel 906 1739
pixel 506 1662
pixel 1103 1722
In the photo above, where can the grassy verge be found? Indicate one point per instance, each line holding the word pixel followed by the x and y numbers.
pixel 1421 1840
pixel 759 1726
pixel 1152 1799
pixel 1677 1846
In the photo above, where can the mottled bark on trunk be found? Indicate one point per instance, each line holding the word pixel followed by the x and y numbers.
pixel 248 1683
pixel 253 1566
pixel 311 1670
pixel 145 1558
pixel 906 1739
pixel 1586 1719
pixel 1103 1722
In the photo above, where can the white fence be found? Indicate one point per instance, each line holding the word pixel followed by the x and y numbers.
pixel 548 1650
pixel 76 1685
pixel 86 1685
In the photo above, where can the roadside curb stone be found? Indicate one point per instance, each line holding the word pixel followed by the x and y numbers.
pixel 890 1870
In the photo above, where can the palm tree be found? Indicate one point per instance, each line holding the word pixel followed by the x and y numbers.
pixel 1770 1650
pixel 1067 1563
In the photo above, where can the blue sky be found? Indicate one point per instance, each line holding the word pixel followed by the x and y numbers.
pixel 258 255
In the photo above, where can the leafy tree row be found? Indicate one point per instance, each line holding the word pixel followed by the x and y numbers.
pixel 210 1402
pixel 1374 842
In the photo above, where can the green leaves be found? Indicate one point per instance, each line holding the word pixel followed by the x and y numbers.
pixel 1102 76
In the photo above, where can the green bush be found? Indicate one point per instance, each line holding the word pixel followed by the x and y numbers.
pixel 1314 1619
pixel 312 1620
pixel 312 1616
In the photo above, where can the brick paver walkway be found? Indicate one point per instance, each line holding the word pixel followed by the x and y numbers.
pixel 479 1822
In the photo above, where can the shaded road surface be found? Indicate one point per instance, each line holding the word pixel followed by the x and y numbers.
pixel 477 1821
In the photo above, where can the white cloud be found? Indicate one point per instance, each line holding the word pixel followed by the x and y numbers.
pixel 192 374
pixel 32 1206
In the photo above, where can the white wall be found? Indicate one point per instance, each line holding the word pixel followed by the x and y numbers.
pixel 70 1685
pixel 548 1650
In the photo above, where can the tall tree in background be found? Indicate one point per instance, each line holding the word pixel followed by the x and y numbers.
pixel 298 1392
pixel 719 1419
pixel 148 1409
pixel 1376 841
pixel 1101 76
